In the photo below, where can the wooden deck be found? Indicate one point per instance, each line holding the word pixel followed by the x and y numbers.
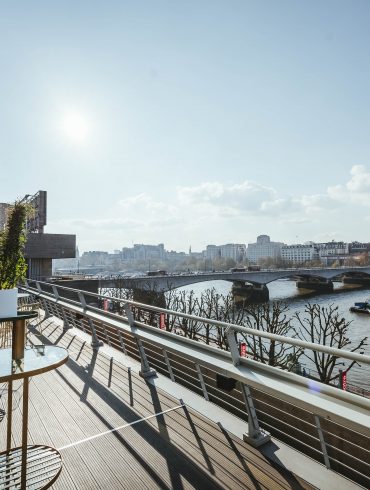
pixel 116 431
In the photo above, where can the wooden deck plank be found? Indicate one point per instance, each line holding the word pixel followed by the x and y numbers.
pixel 99 406
pixel 78 426
pixel 51 422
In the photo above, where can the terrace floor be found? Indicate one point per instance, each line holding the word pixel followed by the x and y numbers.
pixel 115 430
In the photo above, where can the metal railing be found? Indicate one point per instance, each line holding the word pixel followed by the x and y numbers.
pixel 326 423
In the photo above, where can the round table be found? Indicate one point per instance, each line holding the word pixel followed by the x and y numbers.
pixel 24 466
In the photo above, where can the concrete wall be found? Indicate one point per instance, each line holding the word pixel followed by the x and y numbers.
pixel 40 269
pixel 51 246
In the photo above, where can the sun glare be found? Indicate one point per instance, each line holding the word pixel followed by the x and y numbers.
pixel 75 127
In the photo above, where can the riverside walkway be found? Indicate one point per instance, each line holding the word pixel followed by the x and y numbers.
pixel 115 430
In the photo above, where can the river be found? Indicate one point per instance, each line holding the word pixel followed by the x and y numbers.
pixel 343 296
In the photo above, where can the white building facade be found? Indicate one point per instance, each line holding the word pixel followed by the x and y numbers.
pixel 300 253
pixel 234 251
pixel 263 248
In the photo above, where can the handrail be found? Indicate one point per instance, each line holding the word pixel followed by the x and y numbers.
pixel 353 356
pixel 220 359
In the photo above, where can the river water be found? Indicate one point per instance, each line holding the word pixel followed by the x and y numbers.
pixel 343 296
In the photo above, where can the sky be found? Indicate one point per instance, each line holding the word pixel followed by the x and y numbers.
pixel 188 122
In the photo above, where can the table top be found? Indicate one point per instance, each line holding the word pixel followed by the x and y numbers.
pixel 37 360
pixel 21 315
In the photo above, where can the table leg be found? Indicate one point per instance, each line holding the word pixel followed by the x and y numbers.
pixel 19 331
pixel 24 433
pixel 9 416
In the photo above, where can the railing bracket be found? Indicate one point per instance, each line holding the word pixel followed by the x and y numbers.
pixel 255 436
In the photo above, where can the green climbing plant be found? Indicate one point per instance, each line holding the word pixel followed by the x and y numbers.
pixel 13 266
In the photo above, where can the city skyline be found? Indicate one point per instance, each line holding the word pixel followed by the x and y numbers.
pixel 189 124
pixel 261 240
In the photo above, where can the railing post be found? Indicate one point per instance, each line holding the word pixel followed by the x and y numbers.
pixel 55 291
pixel 169 367
pixel 66 325
pixel 46 308
pixel 129 315
pixel 255 436
pixel 43 302
pixel 146 371
pixel 233 345
pixel 202 383
pixel 82 299
pixel 95 342
pixel 322 442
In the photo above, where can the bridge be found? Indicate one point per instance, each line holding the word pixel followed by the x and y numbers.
pixel 245 283
pixel 162 283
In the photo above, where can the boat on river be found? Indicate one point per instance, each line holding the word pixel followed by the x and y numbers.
pixel 363 307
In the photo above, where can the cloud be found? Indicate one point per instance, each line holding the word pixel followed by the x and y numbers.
pixel 356 190
pixel 360 180
pixel 214 212
pixel 249 200
pixel 144 203
pixel 215 202
pixel 243 197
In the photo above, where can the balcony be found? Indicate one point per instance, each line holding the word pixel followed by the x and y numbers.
pixel 116 428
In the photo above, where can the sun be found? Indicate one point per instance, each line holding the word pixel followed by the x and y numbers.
pixel 75 127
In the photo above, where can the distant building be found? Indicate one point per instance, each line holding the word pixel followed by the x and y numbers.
pixel 212 252
pixel 340 252
pixel 331 252
pixel 264 248
pixel 94 257
pixel 234 251
pixel 173 255
pixel 358 248
pixel 300 253
pixel 144 252
pixel 127 253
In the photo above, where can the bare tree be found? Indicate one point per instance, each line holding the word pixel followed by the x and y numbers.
pixel 229 313
pixel 184 302
pixel 271 318
pixel 324 325
pixel 263 317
